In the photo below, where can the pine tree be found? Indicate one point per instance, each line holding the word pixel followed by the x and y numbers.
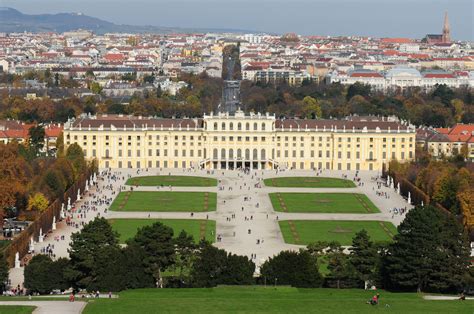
pixel 157 242
pixel 363 256
pixel 430 252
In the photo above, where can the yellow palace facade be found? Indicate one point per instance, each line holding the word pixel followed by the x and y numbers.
pixel 252 141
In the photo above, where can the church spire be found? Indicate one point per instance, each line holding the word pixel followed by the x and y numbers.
pixel 446 29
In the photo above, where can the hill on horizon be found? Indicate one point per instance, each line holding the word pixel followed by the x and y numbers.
pixel 14 21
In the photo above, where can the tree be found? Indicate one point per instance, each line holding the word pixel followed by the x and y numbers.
pixel 429 253
pixel 358 89
pixel 298 269
pixel 36 135
pixel 311 108
pixel 208 266
pixel 75 154
pixel 95 87
pixel 38 277
pixel 4 269
pixel 214 266
pixel 136 273
pixel 341 272
pixel 364 256
pixel 60 145
pixel 37 202
pixel 85 249
pixel 185 247
pixel 157 242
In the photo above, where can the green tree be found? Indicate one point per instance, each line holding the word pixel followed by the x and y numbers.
pixel 214 266
pixel 342 273
pixel 157 242
pixel 85 249
pixel 364 256
pixel 185 248
pixel 358 89
pixel 95 87
pixel 75 154
pixel 311 108
pixel 298 269
pixel 36 138
pixel 429 253
pixel 4 269
pixel 136 273
pixel 38 277
pixel 208 266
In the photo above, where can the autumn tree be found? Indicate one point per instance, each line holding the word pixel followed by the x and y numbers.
pixel 37 202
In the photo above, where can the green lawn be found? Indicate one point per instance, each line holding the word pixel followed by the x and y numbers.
pixel 329 230
pixel 322 203
pixel 141 201
pixel 16 309
pixel 269 300
pixel 172 180
pixel 309 182
pixel 127 228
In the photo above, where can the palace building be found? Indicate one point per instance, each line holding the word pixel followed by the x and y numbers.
pixel 254 141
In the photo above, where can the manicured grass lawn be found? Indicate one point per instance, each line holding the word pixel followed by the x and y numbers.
pixel 309 182
pixel 16 309
pixel 172 180
pixel 127 228
pixel 269 300
pixel 329 230
pixel 322 203
pixel 140 201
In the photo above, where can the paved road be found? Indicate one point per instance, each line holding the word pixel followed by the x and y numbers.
pixel 50 307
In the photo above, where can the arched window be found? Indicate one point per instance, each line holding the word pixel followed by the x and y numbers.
pixel 255 126
pixel 262 154
pixel 223 153
pixel 215 126
pixel 107 153
pixel 371 155
pixel 239 153
pixel 231 153
pixel 247 154
pixel 255 153
pixel 231 126
pixel 263 126
pixel 215 153
pixel 223 126
pixel 247 126
pixel 239 126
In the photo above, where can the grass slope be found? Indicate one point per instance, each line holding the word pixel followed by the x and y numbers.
pixel 16 309
pixel 172 180
pixel 343 231
pixel 308 182
pixel 142 201
pixel 127 228
pixel 323 203
pixel 269 300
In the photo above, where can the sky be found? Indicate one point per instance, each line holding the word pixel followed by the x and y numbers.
pixel 378 18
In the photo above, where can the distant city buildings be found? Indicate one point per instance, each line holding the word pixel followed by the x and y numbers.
pixel 446 142
pixel 384 63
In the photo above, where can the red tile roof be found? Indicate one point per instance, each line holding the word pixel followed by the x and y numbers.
pixel 439 75
pixel 364 74
pixel 396 40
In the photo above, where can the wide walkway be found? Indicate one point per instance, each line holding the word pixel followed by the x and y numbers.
pixel 51 307
pixel 243 227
